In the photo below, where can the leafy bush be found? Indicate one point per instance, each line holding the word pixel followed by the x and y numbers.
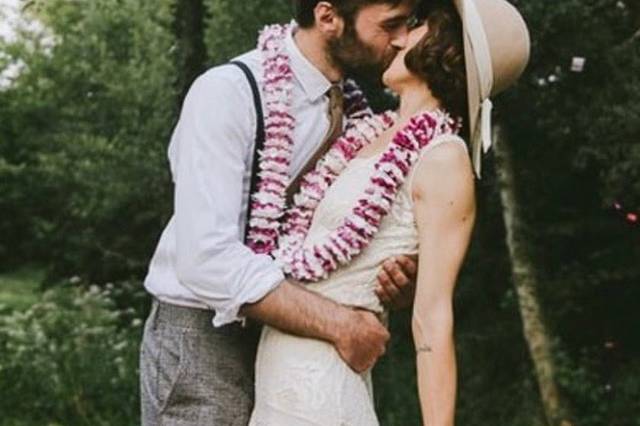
pixel 69 360
pixel 83 137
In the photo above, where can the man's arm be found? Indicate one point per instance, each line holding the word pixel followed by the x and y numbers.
pixel 358 335
pixel 210 148
pixel 209 152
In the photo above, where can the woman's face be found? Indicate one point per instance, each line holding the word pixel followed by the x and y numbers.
pixel 397 74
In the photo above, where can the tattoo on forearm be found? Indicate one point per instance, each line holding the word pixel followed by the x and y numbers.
pixel 424 348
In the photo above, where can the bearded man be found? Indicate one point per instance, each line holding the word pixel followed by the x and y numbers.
pixel 211 269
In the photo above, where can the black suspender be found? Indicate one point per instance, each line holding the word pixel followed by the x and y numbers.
pixel 260 136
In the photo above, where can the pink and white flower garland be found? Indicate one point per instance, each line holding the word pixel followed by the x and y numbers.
pixel 358 228
pixel 268 203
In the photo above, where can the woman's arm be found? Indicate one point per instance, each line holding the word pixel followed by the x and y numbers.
pixel 444 206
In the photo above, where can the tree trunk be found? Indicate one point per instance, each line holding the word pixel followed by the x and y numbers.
pixel 525 281
pixel 191 55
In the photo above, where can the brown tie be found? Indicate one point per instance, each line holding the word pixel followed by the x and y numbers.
pixel 336 111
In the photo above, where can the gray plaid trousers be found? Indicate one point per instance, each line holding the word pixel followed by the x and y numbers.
pixel 192 374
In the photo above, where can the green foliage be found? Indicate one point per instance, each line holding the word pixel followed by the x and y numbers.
pixel 612 403
pixel 233 26
pixel 83 137
pixel 69 359
pixel 19 289
pixel 575 140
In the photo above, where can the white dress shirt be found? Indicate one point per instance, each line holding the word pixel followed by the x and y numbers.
pixel 201 261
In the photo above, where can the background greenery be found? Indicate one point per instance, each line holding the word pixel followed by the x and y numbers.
pixel 85 193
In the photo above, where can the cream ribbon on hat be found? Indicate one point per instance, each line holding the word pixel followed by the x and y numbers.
pixel 482 55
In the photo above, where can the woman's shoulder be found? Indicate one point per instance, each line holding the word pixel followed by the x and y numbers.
pixel 444 166
pixel 446 150
pixel 453 140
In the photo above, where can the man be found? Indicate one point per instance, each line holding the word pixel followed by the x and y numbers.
pixel 193 373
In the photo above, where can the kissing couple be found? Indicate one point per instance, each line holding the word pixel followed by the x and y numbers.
pixel 298 208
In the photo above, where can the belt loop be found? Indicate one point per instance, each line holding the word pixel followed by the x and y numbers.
pixel 153 314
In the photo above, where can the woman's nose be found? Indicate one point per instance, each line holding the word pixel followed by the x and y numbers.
pixel 400 38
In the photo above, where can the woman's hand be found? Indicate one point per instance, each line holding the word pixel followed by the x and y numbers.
pixel 397 281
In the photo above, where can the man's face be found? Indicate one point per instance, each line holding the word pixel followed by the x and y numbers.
pixel 369 43
pixel 397 73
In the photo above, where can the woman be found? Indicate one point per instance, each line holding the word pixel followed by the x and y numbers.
pixel 397 183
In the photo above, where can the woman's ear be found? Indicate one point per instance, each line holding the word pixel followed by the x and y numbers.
pixel 328 21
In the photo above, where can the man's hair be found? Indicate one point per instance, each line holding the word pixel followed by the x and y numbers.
pixel 347 9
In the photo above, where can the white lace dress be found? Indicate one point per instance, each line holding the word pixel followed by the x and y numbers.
pixel 302 381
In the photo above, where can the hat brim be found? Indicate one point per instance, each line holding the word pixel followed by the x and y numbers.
pixel 473 89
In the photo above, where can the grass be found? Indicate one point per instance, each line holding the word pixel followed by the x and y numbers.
pixel 19 289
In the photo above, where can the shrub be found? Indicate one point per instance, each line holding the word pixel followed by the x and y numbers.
pixel 69 360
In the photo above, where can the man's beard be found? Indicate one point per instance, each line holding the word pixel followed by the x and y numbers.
pixel 355 58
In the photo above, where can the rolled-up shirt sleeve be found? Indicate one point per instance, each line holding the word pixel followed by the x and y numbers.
pixel 210 148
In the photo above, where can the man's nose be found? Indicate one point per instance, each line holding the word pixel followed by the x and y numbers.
pixel 400 38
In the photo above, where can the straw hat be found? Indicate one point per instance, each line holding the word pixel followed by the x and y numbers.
pixel 496 48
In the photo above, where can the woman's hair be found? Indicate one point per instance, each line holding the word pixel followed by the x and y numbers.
pixel 347 9
pixel 438 58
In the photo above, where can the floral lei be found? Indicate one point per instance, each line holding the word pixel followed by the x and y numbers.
pixel 358 228
pixel 268 203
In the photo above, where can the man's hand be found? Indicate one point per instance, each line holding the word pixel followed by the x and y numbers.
pixel 362 341
pixel 358 336
pixel 397 281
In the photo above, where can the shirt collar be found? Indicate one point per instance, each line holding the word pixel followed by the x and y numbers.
pixel 313 82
